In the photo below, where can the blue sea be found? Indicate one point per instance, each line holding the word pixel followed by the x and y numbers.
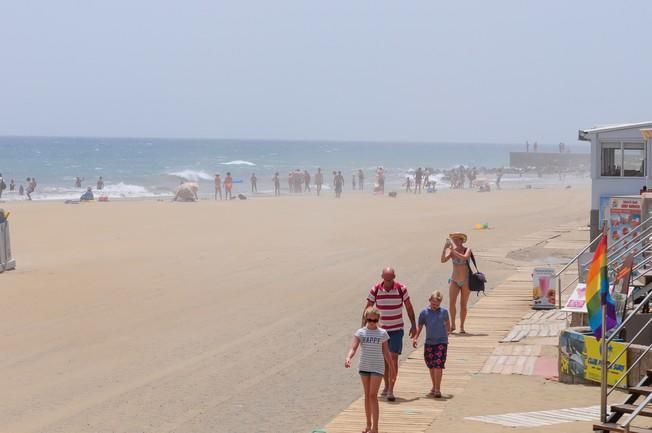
pixel 152 167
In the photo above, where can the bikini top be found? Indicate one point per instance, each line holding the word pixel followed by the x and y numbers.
pixel 457 261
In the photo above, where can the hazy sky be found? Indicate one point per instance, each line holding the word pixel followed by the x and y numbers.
pixel 482 71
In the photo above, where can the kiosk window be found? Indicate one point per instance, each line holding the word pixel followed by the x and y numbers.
pixel 611 159
pixel 634 159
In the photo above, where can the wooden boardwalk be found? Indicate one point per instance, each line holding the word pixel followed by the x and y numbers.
pixel 490 320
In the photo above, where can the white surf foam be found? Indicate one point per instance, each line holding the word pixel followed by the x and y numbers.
pixel 192 175
pixel 239 162
pixel 118 190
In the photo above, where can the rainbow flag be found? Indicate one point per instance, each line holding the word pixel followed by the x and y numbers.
pixel 597 291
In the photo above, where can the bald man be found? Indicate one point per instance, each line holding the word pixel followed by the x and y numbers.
pixel 389 296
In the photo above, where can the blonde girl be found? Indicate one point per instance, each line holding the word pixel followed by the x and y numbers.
pixel 374 354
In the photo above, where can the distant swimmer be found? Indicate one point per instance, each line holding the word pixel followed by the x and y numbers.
pixel 78 182
pixel 21 190
pixel 306 181
pixel 100 184
pixel 3 185
pixel 319 180
pixel 12 185
pixel 228 186
pixel 88 195
pixel 254 181
pixel 218 186
pixel 353 182
pixel 361 180
pixel 277 184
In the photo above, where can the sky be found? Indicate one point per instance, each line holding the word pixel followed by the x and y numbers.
pixel 441 71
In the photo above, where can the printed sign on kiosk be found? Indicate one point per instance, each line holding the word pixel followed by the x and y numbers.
pixel 544 286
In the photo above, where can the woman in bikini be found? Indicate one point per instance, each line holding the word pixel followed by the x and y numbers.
pixel 455 251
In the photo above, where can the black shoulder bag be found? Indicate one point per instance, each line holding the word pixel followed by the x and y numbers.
pixel 476 279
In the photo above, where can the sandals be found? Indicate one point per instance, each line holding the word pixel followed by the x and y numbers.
pixel 434 394
pixel 384 393
pixel 390 397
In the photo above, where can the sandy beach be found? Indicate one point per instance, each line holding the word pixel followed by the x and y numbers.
pixel 152 316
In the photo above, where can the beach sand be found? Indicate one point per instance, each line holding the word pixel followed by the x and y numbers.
pixel 233 317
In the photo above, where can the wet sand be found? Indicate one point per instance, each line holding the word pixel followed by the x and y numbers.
pixel 230 317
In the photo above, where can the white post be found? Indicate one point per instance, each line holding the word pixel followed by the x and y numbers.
pixel 605 367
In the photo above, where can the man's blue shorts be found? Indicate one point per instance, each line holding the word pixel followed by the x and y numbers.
pixel 395 342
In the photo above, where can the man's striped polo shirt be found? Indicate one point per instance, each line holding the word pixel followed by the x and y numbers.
pixel 390 304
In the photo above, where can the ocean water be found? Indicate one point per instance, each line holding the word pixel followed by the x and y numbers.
pixel 152 167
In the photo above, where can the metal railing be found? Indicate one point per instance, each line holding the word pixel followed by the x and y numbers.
pixel 605 390
pixel 614 249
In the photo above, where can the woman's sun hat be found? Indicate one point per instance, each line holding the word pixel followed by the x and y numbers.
pixel 458 235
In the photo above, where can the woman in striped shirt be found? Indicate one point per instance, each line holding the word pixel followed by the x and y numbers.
pixel 373 356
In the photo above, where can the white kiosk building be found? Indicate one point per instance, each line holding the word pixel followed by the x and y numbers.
pixel 620 157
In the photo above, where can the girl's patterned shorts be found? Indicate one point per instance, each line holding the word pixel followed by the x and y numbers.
pixel 435 355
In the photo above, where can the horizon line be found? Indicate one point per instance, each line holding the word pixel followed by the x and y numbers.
pixel 277 140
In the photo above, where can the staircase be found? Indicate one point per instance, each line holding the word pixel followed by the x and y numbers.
pixel 639 402
pixel 632 408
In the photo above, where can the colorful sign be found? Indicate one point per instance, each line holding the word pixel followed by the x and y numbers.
pixel 593 357
pixel 624 215
pixel 571 353
pixel 544 288
pixel 576 303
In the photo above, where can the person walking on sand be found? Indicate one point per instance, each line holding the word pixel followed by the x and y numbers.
pixel 3 185
pixel 353 182
pixel 254 181
pixel 389 296
pixel 408 184
pixel 380 179
pixel 277 184
pixel 458 284
pixel 438 325
pixel 499 176
pixel 218 187
pixel 306 181
pixel 417 180
pixel 339 183
pixel 374 357
pixel 360 180
pixel 228 186
pixel 319 180
pixel 31 186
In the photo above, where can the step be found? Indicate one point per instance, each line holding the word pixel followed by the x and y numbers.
pixel 609 426
pixel 629 408
pixel 641 390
